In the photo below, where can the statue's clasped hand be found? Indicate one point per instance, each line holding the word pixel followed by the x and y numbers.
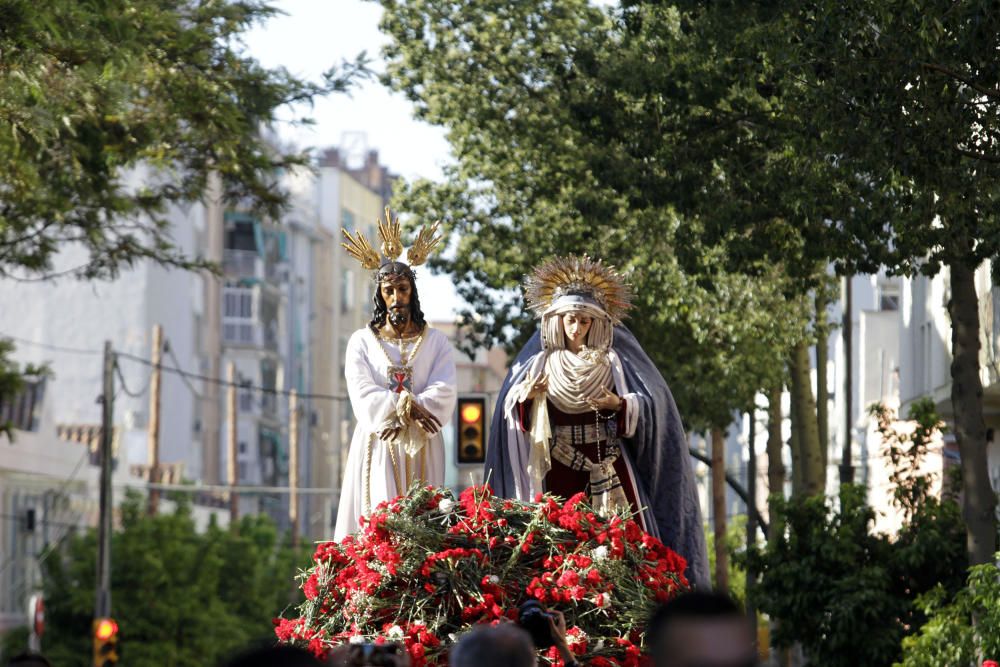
pixel 425 419
pixel 539 386
pixel 607 400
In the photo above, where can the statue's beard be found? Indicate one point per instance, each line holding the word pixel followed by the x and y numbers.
pixel 399 315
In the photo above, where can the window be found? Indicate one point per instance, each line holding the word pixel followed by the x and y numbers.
pixel 238 324
pixel 23 408
pixel 246 401
pixel 240 235
pixel 347 220
pixel 243 447
pixel 346 291
pixel 888 301
pixel 342 352
pixel 238 303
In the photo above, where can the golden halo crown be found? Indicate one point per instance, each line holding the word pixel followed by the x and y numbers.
pixel 358 246
pixel 582 276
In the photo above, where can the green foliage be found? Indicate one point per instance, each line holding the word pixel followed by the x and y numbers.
pixel 112 112
pixel 949 638
pixel 736 545
pixel 829 579
pixel 541 102
pixel 180 597
pixel 14 642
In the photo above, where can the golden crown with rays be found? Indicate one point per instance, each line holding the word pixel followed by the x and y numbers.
pixel 578 279
pixel 358 247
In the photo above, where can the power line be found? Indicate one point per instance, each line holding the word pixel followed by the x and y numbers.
pixel 54 348
pixel 177 367
pixel 186 375
pixel 62 489
pixel 226 383
pixel 124 386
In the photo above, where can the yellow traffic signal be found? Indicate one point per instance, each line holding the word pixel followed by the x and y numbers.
pixel 471 431
pixel 105 642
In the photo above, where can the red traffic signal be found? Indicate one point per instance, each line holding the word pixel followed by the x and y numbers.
pixel 105 629
pixel 470 435
pixel 105 642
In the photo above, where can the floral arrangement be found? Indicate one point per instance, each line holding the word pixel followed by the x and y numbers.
pixel 426 567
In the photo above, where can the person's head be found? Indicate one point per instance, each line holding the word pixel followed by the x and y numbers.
pixel 275 656
pixel 396 299
pixel 29 660
pixel 494 646
pixel 700 629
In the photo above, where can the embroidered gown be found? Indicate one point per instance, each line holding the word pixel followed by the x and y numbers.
pixel 580 441
pixel 375 470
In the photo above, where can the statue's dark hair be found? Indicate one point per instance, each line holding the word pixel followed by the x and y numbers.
pixel 381 310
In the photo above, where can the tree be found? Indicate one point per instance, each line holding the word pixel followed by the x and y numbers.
pixel 862 133
pixel 828 578
pixel 111 113
pixel 91 96
pixel 949 638
pixel 179 596
pixel 523 89
pixel 910 123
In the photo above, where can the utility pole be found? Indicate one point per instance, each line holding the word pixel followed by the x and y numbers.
pixel 846 468
pixel 293 465
pixel 751 514
pixel 719 509
pixel 153 437
pixel 102 608
pixel 234 499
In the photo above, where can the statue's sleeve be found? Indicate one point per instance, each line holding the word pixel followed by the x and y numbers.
pixel 628 415
pixel 440 394
pixel 371 401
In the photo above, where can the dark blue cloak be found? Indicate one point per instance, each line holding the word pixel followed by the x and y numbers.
pixel 658 453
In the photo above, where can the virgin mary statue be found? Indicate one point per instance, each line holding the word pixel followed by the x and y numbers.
pixel 583 408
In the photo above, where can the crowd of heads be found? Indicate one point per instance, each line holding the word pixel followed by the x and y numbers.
pixel 696 629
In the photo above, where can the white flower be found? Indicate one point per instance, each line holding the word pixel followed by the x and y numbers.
pixel 494 579
pixel 446 505
pixel 395 632
pixel 599 645
pixel 452 637
pixel 357 639
pixel 600 553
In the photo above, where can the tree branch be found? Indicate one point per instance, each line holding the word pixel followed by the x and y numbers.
pixel 993 159
pixel 958 76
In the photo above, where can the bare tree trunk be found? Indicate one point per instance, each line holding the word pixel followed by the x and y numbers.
pixel 804 426
pixel 979 499
pixel 719 509
pixel 822 393
pixel 775 463
pixel 795 447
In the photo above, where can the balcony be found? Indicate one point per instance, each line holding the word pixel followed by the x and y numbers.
pixel 242 264
pixel 248 264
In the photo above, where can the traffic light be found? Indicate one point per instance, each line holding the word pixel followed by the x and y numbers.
pixel 105 642
pixel 471 431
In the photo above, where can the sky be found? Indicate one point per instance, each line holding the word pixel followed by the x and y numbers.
pixel 316 34
pixel 312 36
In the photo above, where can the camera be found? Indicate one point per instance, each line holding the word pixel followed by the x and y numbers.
pixel 533 617
pixel 376 655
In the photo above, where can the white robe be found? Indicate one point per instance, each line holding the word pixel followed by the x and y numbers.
pixel 433 388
